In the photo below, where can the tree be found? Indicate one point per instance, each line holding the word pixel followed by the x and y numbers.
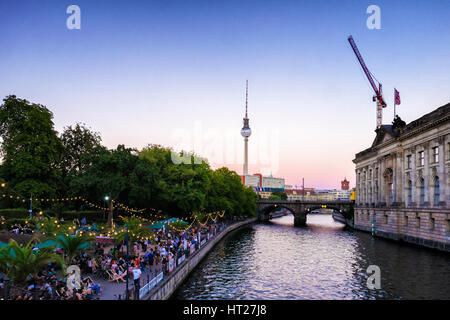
pixel 80 147
pixel 227 192
pixel 279 195
pixel 30 148
pixel 72 245
pixel 50 227
pixel 18 263
pixel 136 230
pixel 109 174
pixel 176 188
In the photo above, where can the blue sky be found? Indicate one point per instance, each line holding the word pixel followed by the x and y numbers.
pixel 138 71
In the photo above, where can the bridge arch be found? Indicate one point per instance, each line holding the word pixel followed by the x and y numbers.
pixel 315 207
pixel 300 208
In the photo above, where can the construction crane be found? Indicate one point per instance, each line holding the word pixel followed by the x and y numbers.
pixel 378 97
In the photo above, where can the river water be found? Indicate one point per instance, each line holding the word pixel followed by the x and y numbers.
pixel 320 261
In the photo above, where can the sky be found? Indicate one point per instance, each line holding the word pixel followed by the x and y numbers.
pixel 173 73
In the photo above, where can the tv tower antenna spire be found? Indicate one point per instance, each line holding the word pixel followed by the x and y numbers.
pixel 246 98
pixel 246 131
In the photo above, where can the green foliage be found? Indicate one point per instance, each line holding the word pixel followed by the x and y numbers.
pixel 20 262
pixel 50 227
pixel 76 164
pixel 81 146
pixel 14 213
pixel 278 195
pixel 30 148
pixel 178 225
pixel 72 245
pixel 226 192
pixel 9 223
pixel 136 230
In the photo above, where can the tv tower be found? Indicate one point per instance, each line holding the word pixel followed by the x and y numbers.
pixel 246 131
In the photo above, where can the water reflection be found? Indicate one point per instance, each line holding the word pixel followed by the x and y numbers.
pixel 321 261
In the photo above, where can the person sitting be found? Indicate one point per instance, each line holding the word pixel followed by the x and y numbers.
pixel 86 291
pixel 96 289
pixel 119 275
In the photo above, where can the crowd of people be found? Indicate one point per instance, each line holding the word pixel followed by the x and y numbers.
pixel 106 261
pixel 46 285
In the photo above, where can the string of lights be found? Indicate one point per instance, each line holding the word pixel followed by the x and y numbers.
pixel 213 216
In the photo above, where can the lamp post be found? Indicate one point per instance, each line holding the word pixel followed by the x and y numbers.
pixel 31 206
pixel 105 199
pixel 127 295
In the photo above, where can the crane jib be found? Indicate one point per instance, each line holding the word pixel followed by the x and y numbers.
pixel 363 65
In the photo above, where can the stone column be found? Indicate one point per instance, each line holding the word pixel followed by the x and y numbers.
pixel 441 170
pixel 413 177
pixel 426 175
pixel 398 178
pixel 372 184
pixel 381 183
pixel 357 195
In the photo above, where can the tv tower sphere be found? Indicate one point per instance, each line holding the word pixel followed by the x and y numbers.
pixel 246 132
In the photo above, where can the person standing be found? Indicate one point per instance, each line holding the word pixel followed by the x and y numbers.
pixel 151 258
pixel 137 281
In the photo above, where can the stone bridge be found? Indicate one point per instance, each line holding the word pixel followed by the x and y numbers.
pixel 301 208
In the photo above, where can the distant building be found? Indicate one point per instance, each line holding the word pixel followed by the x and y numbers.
pixel 264 186
pixel 403 181
pixel 251 180
pixel 297 194
pixel 325 195
pixel 342 195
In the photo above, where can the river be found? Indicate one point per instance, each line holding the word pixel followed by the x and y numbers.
pixel 320 261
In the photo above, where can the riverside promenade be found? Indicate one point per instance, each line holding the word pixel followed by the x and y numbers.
pixel 164 289
pixel 159 286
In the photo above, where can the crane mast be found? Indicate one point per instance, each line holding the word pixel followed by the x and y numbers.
pixel 378 90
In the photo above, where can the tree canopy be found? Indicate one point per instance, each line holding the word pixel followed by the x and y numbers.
pixel 37 160
pixel 30 148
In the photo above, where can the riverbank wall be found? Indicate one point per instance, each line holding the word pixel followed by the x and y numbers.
pixel 423 227
pixel 339 217
pixel 165 289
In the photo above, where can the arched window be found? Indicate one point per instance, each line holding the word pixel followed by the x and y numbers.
pixel 422 190
pixel 409 192
pixel 388 176
pixel 437 191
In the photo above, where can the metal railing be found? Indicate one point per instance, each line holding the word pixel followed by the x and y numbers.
pixel 150 285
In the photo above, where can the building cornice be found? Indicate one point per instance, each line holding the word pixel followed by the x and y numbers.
pixel 429 121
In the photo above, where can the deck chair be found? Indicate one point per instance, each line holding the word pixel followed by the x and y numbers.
pixel 111 276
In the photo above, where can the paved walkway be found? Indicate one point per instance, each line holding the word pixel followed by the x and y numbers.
pixel 112 289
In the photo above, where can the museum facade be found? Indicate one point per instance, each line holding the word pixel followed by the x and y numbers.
pixel 403 181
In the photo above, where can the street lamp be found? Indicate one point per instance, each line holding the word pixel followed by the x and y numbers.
pixel 127 294
pixel 105 199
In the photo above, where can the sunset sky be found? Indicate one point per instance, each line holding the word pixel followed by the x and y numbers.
pixel 173 73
